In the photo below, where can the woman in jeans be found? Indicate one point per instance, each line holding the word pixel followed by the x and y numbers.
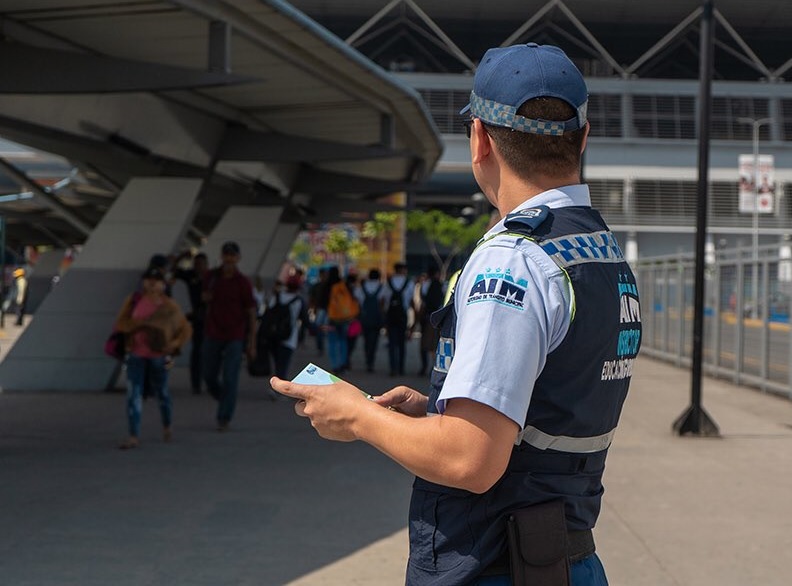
pixel 155 329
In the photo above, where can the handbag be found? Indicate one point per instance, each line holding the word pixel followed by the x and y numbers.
pixel 355 329
pixel 115 345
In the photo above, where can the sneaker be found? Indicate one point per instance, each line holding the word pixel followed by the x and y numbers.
pixel 167 434
pixel 222 426
pixel 129 443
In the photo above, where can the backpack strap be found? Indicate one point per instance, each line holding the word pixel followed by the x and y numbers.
pixel 400 291
pixel 374 295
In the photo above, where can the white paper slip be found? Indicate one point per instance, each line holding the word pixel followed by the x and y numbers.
pixel 315 375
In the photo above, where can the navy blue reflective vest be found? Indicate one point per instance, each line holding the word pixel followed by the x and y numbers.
pixel 574 409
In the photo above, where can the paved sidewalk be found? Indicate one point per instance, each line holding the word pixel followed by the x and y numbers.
pixel 269 503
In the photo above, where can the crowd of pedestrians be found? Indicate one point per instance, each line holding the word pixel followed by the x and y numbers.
pixel 232 319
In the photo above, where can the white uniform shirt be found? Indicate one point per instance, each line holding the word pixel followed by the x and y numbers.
pixel 501 341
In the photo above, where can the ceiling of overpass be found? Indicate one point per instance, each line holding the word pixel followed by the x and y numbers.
pixel 252 89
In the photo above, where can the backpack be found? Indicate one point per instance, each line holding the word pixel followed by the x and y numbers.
pixel 276 323
pixel 433 300
pixel 370 312
pixel 396 314
pixel 342 306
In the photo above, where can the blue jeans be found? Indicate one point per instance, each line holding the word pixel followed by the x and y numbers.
pixel 371 339
pixel 397 340
pixel 586 572
pixel 337 348
pixel 225 355
pixel 281 355
pixel 321 320
pixel 137 375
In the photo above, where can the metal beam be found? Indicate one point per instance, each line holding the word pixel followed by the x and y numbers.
pixel 46 197
pixel 526 26
pixel 591 39
pixel 320 182
pixel 33 70
pixel 371 22
pixel 453 48
pixel 241 144
pixel 670 36
pixel 219 46
pixel 757 63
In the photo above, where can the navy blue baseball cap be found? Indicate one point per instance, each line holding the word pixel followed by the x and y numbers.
pixel 507 77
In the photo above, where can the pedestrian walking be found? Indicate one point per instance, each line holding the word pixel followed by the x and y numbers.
pixel 155 330
pixel 230 331
pixel 398 301
pixel 371 297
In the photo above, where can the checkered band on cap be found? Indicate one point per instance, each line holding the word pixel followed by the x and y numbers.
pixel 502 115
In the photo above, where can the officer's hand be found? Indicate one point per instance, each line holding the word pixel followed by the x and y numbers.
pixel 405 400
pixel 332 409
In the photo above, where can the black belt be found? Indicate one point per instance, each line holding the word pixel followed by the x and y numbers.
pixel 580 545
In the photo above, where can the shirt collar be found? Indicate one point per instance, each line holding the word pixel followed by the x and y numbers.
pixel 560 197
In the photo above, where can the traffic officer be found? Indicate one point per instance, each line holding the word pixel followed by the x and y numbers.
pixel 534 360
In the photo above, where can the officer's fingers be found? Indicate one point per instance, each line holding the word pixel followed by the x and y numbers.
pixel 404 399
pixel 290 389
pixel 299 408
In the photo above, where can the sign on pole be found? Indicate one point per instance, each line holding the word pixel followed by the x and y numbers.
pixel 762 200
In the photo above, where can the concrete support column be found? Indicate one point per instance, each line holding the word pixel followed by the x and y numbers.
pixel 254 228
pixel 47 266
pixel 271 263
pixel 62 348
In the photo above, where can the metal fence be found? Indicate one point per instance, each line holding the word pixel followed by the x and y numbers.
pixel 747 334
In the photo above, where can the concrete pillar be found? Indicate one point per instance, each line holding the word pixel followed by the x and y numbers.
pixel 62 347
pixel 254 228
pixel 48 265
pixel 273 260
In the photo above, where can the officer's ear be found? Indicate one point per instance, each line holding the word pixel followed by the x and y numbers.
pixel 586 130
pixel 480 142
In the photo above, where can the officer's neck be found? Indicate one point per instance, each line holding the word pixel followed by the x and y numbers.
pixel 513 191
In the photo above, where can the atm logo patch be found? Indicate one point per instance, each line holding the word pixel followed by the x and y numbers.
pixel 498 286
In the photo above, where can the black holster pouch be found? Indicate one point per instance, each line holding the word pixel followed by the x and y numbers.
pixel 538 548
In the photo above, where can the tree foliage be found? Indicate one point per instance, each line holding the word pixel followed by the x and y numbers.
pixel 343 245
pixel 442 230
pixel 378 229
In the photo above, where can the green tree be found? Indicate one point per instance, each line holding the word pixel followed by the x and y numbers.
pixel 442 230
pixel 344 246
pixel 378 229
pixel 303 254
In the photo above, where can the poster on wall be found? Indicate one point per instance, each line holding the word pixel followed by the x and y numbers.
pixel 762 200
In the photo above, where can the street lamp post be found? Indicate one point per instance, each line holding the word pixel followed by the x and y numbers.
pixel 756 123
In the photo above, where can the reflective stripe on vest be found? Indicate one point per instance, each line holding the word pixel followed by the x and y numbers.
pixel 563 443
pixel 575 249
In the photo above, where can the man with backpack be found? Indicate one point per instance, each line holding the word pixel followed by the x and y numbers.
pixel 398 299
pixel 280 325
pixel 371 296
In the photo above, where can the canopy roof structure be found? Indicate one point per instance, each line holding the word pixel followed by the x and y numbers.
pixel 252 95
pixel 604 37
